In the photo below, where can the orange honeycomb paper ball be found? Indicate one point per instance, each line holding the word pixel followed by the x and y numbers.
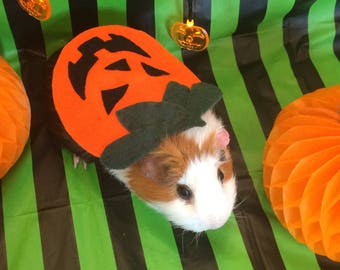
pixel 14 117
pixel 301 170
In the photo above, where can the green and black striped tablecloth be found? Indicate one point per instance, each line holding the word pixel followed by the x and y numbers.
pixel 263 54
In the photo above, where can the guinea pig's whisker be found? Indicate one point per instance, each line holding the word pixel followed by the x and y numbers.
pixel 236 206
pixel 196 237
pixel 239 217
pixel 182 239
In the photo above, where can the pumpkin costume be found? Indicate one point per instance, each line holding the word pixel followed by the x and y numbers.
pixel 118 93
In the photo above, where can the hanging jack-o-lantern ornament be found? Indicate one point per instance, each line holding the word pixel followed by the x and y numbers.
pixel 188 35
pixel 117 92
pixel 301 170
pixel 39 9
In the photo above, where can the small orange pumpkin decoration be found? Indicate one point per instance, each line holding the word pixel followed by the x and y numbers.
pixel 301 170
pixel 39 9
pixel 15 117
pixel 190 36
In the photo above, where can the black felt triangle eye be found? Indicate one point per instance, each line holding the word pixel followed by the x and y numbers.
pixel 154 72
pixel 111 97
pixel 119 65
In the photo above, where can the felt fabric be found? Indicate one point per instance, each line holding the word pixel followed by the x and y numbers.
pixel 107 69
pixel 263 54
pixel 150 122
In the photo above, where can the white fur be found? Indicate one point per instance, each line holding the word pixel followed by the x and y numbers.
pixel 212 201
pixel 200 134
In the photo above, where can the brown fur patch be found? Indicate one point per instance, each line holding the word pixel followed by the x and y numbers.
pixel 154 177
pixel 227 169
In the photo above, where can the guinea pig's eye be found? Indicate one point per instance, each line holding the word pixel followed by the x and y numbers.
pixel 184 192
pixel 220 175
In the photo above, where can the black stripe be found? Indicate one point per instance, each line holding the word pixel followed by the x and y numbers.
pixel 196 254
pixel 201 11
pixel 336 44
pixel 248 57
pixel 83 15
pixel 327 264
pixel 141 15
pixel 122 222
pixel 201 15
pixel 252 220
pixel 117 200
pixel 254 225
pixel 296 42
pixel 297 45
pixel 55 219
pixel 3 253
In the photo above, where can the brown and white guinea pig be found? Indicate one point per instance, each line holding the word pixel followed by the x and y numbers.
pixel 96 84
pixel 188 177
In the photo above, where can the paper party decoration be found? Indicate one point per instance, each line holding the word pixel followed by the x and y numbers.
pixel 301 170
pixel 15 117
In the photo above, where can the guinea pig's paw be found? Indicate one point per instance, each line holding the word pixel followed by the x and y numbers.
pixel 77 160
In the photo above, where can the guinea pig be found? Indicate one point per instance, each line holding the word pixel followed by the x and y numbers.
pixel 96 85
pixel 189 177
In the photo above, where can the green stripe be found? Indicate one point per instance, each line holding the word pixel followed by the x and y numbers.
pixel 321 30
pixel 239 105
pixel 111 12
pixel 224 16
pixel 89 218
pixel 158 242
pixel 228 247
pixel 166 14
pixel 227 243
pixel 57 29
pixel 274 55
pixel 22 234
pixel 7 45
pixel 157 239
pixel 286 88
pixel 245 122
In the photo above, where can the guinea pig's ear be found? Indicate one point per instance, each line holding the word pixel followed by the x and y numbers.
pixel 152 167
pixel 222 143
pixel 222 138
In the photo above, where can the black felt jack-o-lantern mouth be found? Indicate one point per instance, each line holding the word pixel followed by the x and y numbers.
pixel 78 71
pixel 125 92
pixel 112 96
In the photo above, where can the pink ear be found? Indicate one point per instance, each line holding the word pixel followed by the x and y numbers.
pixel 222 137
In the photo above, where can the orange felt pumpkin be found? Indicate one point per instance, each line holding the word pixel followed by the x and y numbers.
pixel 117 92
pixel 301 170
pixel 14 117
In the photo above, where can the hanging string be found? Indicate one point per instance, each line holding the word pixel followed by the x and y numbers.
pixel 190 16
